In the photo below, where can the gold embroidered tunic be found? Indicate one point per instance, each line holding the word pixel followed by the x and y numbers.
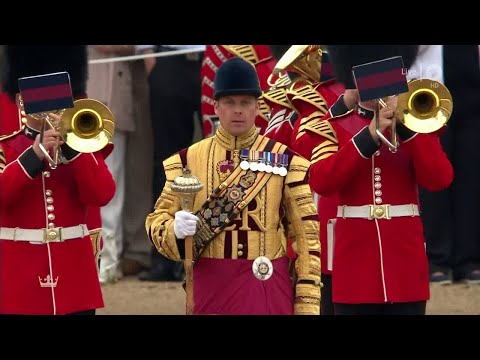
pixel 281 208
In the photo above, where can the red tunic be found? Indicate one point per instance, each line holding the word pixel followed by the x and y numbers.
pixel 304 141
pixel 26 191
pixel 379 260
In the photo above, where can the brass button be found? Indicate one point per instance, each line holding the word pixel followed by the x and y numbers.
pixel 51 217
pixel 48 192
pixel 49 200
pixel 162 227
pixel 50 208
pixel 240 246
pixel 240 253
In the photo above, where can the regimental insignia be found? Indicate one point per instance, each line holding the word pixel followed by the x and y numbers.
pixel 235 194
pixel 224 169
pixel 48 281
pixel 262 268
pixel 248 179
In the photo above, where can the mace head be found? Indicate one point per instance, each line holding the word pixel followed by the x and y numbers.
pixel 187 186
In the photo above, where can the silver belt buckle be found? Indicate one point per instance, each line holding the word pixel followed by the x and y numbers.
pixel 262 268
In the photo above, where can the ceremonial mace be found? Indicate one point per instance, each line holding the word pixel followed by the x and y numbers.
pixel 187 186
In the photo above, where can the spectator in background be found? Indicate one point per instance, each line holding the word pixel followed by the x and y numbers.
pixel 174 83
pixel 111 83
pixel 450 217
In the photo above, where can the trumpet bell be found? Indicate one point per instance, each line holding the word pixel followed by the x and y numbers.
pixel 426 107
pixel 88 126
pixel 305 60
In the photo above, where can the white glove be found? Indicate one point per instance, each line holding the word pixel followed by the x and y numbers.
pixel 185 224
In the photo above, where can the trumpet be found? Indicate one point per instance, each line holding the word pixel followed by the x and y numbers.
pixel 87 127
pixel 425 108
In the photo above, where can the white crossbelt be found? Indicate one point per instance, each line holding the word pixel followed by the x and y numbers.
pixel 377 211
pixel 57 234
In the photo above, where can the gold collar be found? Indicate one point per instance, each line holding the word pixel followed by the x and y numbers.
pixel 230 142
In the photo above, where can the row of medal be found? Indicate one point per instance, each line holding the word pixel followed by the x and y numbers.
pixel 264 161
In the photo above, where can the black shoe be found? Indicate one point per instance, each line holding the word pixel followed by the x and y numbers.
pixel 441 277
pixel 164 272
pixel 473 277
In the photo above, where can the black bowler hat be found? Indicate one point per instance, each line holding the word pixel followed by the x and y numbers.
pixel 236 77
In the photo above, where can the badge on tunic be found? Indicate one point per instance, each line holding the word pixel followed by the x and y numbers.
pixel 268 160
pixel 244 156
pixel 235 194
pixel 262 268
pixel 224 169
pixel 261 161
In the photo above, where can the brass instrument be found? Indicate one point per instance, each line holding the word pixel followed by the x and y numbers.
pixel 87 127
pixel 425 108
pixel 305 60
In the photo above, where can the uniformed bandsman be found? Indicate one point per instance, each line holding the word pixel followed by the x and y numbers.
pixel 255 194
pixel 379 260
pixel 47 262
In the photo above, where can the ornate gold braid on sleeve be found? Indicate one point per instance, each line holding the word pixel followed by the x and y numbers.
pixel 95 239
pixel 329 146
pixel 311 119
pixel 304 227
pixel 278 96
pixel 246 52
pixel 159 224
pixel 3 160
pixel 264 109
pixel 308 94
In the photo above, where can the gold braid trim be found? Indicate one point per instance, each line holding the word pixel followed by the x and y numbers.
pixel 305 237
pixel 323 128
pixel 311 119
pixel 308 94
pixel 159 224
pixel 278 96
pixel 264 112
pixel 302 308
pixel 329 146
pixel 246 52
pixel 5 137
pixel 3 160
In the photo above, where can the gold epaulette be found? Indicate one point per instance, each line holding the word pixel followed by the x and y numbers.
pixel 308 94
pixel 264 112
pixel 278 96
pixel 5 137
pixel 173 167
pixel 246 52
pixel 297 170
pixel 313 118
pixel 327 147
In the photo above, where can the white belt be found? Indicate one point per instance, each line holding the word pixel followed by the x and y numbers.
pixel 377 211
pixel 56 234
